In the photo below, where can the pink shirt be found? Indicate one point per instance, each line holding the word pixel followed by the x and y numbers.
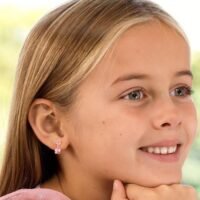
pixel 35 194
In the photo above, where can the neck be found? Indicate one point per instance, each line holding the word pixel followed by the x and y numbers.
pixel 79 187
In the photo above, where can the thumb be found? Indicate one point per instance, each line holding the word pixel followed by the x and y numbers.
pixel 118 192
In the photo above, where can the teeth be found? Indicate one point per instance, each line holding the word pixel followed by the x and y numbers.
pixel 150 149
pixel 164 150
pixel 161 150
pixel 157 150
pixel 172 149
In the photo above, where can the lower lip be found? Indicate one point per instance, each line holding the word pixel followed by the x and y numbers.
pixel 169 158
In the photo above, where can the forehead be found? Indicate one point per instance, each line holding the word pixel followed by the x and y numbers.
pixel 152 48
pixel 148 41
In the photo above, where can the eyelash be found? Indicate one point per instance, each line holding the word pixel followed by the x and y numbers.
pixel 188 91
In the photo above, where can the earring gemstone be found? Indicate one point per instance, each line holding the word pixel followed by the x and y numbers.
pixel 58 148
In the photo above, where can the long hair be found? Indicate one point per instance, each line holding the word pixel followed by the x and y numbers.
pixel 60 51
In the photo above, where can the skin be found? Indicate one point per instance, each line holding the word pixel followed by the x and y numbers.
pixel 164 192
pixel 104 129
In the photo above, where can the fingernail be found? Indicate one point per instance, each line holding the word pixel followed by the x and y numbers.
pixel 116 185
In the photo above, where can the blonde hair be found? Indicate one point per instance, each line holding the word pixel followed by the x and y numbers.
pixel 60 51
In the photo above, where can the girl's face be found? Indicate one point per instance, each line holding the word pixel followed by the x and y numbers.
pixel 134 118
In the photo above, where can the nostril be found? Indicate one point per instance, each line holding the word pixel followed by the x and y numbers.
pixel 165 124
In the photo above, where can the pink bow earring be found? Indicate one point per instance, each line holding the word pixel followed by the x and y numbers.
pixel 58 147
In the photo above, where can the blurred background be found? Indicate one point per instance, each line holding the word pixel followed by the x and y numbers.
pixel 18 16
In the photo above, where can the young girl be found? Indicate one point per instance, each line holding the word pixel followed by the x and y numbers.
pixel 102 96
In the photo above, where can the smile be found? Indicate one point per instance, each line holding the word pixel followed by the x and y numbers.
pixel 161 150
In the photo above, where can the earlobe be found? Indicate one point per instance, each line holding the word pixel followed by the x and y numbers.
pixel 44 119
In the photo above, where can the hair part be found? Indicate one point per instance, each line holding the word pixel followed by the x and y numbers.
pixel 59 53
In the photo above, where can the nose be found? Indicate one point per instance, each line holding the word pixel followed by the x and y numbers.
pixel 166 115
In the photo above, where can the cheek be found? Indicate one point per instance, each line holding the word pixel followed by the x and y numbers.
pixel 105 134
pixel 190 121
pixel 126 123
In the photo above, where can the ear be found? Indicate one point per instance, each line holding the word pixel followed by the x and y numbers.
pixel 45 120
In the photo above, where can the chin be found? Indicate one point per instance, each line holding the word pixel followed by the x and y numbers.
pixel 161 182
pixel 158 179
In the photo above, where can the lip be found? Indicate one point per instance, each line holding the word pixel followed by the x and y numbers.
pixel 164 143
pixel 165 158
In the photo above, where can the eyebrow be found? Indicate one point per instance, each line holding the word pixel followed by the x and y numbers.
pixel 128 77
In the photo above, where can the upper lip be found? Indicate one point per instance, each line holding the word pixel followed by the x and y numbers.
pixel 164 143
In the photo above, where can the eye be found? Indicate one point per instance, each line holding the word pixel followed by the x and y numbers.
pixel 134 95
pixel 182 91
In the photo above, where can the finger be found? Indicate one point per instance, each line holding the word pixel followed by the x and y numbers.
pixel 138 192
pixel 118 192
pixel 187 191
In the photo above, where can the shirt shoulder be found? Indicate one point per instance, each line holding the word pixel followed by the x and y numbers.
pixel 33 194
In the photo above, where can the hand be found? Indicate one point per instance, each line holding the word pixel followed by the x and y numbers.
pixel 164 192
pixel 118 192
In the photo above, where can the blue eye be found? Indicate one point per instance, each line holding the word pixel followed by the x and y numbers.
pixel 134 95
pixel 183 91
pixel 139 94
